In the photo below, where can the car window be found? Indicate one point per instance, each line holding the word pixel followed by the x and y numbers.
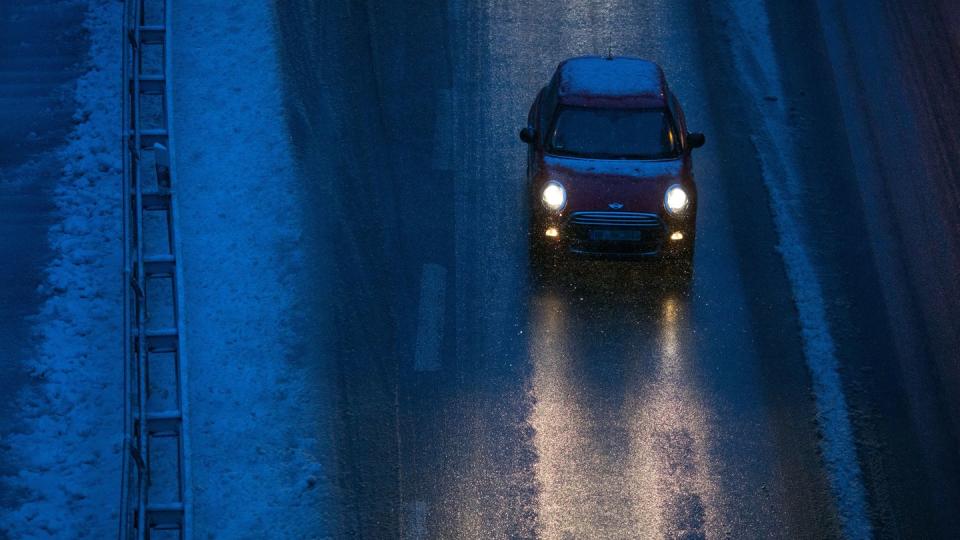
pixel 547 106
pixel 613 133
pixel 681 121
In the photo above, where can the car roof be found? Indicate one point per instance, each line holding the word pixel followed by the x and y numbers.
pixel 611 82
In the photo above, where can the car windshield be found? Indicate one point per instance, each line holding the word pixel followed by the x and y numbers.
pixel 613 133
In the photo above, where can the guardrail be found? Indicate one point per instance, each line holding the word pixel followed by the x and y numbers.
pixel 155 486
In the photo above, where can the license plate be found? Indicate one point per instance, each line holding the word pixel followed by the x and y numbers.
pixel 605 235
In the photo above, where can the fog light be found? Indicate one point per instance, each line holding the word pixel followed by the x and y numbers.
pixel 676 236
pixel 552 232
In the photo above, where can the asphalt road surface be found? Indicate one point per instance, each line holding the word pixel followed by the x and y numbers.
pixel 475 402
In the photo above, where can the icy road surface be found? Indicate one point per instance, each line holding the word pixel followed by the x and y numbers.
pixel 604 406
pixel 474 403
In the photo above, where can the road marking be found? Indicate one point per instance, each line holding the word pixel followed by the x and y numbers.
pixel 416 526
pixel 430 317
pixel 755 59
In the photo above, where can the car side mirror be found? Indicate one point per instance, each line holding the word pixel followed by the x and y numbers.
pixel 528 135
pixel 696 140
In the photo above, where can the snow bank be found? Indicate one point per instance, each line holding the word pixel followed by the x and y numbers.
pixel 755 59
pixel 259 432
pixel 68 450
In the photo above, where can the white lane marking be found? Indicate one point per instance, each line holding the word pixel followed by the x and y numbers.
pixel 755 59
pixel 430 317
pixel 416 526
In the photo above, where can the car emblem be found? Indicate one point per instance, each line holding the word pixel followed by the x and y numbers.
pixel 615 205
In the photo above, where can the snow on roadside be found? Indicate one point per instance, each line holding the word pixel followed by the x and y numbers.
pixel 755 59
pixel 258 404
pixel 67 452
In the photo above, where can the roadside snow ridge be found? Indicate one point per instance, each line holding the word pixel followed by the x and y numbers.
pixel 755 59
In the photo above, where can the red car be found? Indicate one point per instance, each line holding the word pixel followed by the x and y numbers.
pixel 609 167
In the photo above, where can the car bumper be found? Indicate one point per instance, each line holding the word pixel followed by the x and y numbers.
pixel 609 240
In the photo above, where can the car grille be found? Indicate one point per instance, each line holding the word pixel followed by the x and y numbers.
pixel 649 230
pixel 615 219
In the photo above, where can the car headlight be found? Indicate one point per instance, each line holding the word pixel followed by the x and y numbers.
pixel 554 196
pixel 676 199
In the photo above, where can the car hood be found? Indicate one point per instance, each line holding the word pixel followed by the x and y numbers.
pixel 595 185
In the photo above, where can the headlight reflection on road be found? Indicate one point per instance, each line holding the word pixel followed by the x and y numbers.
pixel 620 430
pixel 620 436
pixel 580 475
pixel 669 334
pixel 671 433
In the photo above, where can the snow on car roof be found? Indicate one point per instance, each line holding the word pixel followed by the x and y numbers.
pixel 588 77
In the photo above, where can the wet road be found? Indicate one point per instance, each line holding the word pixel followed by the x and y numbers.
pixel 606 404
pixel 475 403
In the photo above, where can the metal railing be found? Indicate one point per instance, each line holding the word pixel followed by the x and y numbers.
pixel 155 487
